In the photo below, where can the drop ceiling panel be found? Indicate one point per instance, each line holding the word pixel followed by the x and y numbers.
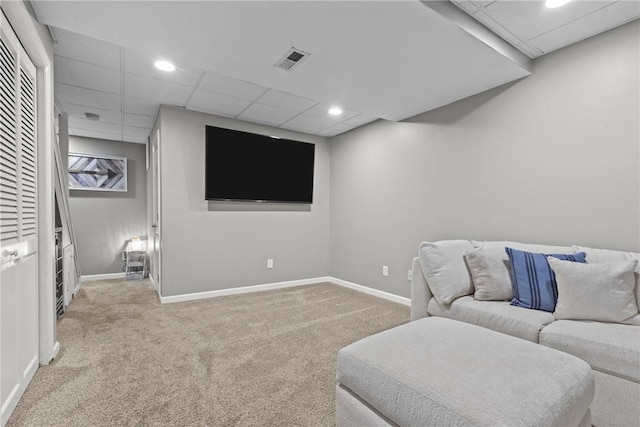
pixel 528 19
pixel 86 49
pixel 86 75
pixel 156 90
pixel 107 116
pixel 360 120
pixel 136 132
pixel 335 130
pixel 231 87
pixel 308 124
pixel 141 106
pixel 81 96
pixel 138 120
pixel 142 64
pixel 322 111
pixel 595 23
pixel 286 101
pixel 80 123
pixel 217 102
pixel 96 134
pixel 497 28
pixel 267 114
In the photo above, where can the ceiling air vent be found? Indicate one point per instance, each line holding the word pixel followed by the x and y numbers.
pixel 291 59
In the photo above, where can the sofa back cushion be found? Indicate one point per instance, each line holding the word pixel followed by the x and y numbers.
pixel 490 270
pixel 608 256
pixel 444 268
pixel 600 292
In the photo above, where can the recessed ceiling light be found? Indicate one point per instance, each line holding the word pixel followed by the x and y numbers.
pixel 92 116
pixel 164 66
pixel 552 4
pixel 335 111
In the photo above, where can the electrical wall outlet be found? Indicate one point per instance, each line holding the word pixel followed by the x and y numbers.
pixel 385 270
pixel 409 275
pixel 269 263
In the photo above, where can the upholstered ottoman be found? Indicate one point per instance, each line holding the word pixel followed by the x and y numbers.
pixel 440 372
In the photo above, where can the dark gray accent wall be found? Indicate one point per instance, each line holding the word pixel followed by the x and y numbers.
pixel 553 158
pixel 208 246
pixel 104 221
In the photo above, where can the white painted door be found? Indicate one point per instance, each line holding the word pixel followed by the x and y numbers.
pixel 18 222
pixel 155 213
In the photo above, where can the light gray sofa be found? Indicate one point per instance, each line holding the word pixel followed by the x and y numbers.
pixel 612 349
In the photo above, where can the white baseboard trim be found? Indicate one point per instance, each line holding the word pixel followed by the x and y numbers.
pixel 281 285
pixel 102 276
pixel 241 290
pixel 371 291
pixel 56 350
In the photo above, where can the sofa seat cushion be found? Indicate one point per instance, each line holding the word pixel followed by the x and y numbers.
pixel 496 315
pixel 439 372
pixel 608 347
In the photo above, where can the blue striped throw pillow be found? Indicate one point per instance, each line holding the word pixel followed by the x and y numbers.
pixel 533 280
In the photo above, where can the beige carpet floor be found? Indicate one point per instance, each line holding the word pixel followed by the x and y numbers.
pixel 259 359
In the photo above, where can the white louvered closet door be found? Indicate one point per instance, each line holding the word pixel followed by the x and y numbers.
pixel 18 221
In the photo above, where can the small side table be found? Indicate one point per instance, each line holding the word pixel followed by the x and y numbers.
pixel 135 260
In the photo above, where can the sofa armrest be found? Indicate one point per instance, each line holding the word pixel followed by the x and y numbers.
pixel 420 292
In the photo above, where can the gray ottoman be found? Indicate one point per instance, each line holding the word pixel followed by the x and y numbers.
pixel 440 372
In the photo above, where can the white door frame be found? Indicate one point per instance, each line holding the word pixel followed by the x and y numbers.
pixel 36 40
pixel 156 213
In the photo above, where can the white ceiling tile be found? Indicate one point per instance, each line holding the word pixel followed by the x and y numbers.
pixel 141 106
pixel 136 62
pixel 497 28
pixel 106 116
pixel 96 134
pixel 335 130
pixel 322 111
pixel 80 123
pixel 217 102
pixel 528 19
pixel 267 114
pixel 156 90
pixel 87 49
pixel 231 87
pixel 616 14
pixel 359 120
pixel 86 75
pixel 138 120
pixel 81 96
pixel 135 132
pixel 286 101
pixel 309 124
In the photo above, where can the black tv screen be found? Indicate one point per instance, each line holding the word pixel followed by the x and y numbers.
pixel 249 167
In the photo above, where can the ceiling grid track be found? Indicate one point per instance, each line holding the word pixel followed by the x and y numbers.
pixel 195 88
pixel 122 93
pixel 249 106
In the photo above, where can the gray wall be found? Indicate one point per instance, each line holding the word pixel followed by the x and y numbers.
pixel 103 221
pixel 209 247
pixel 552 159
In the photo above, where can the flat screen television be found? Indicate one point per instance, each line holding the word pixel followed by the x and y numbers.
pixel 242 166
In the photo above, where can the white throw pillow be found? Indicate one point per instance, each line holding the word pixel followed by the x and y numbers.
pixel 445 270
pixel 490 269
pixel 490 275
pixel 608 256
pixel 600 292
